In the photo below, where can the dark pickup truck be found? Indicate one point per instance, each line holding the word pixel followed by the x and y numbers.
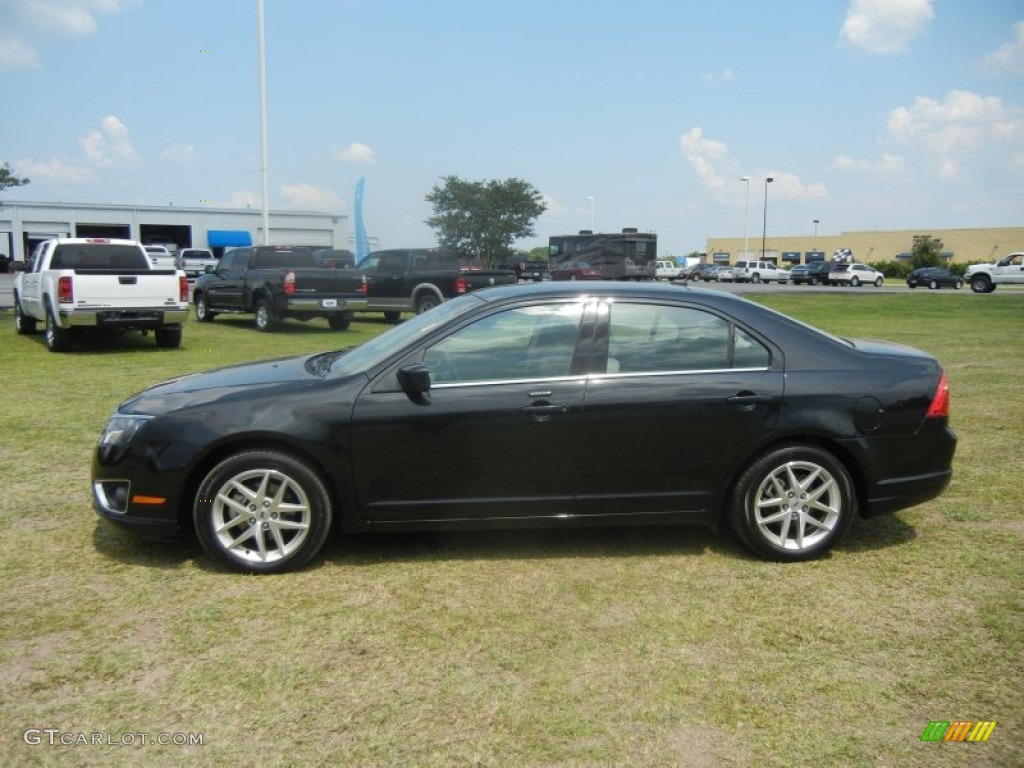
pixel 274 282
pixel 418 279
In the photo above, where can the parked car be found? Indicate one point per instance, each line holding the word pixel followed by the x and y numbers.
pixel 934 277
pixel 576 270
pixel 854 275
pixel 724 274
pixel 195 261
pixel 697 271
pixel 813 273
pixel 632 403
pixel 530 270
pixel 160 257
pixel 758 272
pixel 667 270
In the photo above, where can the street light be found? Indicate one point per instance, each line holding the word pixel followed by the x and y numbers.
pixel 590 201
pixel 764 230
pixel 815 234
pixel 746 217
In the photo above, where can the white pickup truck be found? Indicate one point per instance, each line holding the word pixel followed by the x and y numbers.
pixel 73 284
pixel 1009 270
pixel 194 261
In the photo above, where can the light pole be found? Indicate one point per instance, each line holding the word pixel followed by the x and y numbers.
pixel 746 217
pixel 590 201
pixel 764 229
pixel 815 234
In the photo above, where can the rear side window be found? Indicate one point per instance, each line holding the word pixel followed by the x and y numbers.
pixel 647 338
pixel 283 257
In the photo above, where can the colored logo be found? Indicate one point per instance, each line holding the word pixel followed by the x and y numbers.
pixel 958 730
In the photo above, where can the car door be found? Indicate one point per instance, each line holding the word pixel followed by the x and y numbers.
pixel 684 395
pixel 227 289
pixel 506 390
pixel 1011 269
pixel 31 284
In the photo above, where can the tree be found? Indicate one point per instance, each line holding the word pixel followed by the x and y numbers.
pixel 482 218
pixel 8 179
pixel 927 252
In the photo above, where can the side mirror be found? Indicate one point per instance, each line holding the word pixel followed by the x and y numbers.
pixel 19 266
pixel 208 269
pixel 415 382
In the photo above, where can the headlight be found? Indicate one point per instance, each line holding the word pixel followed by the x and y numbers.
pixel 121 429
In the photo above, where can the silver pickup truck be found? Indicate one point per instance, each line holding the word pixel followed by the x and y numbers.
pixel 75 284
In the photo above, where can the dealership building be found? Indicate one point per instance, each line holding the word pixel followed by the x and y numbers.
pixel 23 224
pixel 958 245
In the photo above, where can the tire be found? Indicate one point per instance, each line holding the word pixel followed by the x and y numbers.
pixel 392 317
pixel 168 338
pixel 879 281
pixel 813 281
pixel 755 278
pixel 262 512
pixel 981 284
pixel 264 316
pixel 794 484
pixel 203 313
pixel 57 339
pixel 339 322
pixel 428 301
pixel 959 284
pixel 854 281
pixel 23 324
pixel 933 286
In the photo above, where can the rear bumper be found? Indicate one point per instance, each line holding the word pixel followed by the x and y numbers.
pixel 141 319
pixel 300 304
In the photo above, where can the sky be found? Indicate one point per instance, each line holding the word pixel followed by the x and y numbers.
pixel 868 114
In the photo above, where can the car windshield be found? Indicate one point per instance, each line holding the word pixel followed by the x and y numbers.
pixel 378 349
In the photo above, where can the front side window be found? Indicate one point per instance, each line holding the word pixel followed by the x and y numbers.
pixel 648 338
pixel 536 342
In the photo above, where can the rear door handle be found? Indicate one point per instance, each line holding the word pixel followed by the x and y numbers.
pixel 544 410
pixel 750 399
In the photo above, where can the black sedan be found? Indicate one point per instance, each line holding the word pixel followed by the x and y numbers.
pixel 934 278
pixel 634 403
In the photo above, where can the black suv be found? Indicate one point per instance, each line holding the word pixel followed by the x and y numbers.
pixel 813 273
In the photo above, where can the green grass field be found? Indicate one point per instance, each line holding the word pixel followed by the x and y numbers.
pixel 593 648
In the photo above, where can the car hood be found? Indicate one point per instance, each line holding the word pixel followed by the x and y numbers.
pixel 224 383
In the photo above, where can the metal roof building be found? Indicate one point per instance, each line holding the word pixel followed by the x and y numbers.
pixel 23 224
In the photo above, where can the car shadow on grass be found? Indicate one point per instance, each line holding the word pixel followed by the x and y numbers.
pixel 371 549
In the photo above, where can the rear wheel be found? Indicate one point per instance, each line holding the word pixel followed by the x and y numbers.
pixel 57 339
pixel 168 338
pixel 262 512
pixel 428 301
pixel 339 322
pixel 959 284
pixel 392 317
pixel 793 503
pixel 854 281
pixel 23 324
pixel 933 285
pixel 265 319
pixel 755 278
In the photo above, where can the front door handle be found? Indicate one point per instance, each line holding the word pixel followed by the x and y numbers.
pixel 545 410
pixel 747 401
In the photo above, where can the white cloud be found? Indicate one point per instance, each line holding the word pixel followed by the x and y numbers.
pixel 788 186
pixel 552 206
pixel 356 153
pixel 56 169
pixel 311 196
pixel 956 128
pixel 885 27
pixel 888 165
pixel 180 153
pixel 110 145
pixel 243 199
pixel 28 22
pixel 17 54
pixel 709 158
pixel 1009 57
pixel 714 78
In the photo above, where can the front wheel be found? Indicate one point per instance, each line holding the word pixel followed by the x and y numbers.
pixel 23 324
pixel 933 286
pixel 981 284
pixel 203 313
pixel 262 512
pixel 959 284
pixel 392 317
pixel 793 503
pixel 879 281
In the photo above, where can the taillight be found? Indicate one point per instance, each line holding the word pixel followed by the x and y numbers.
pixel 362 288
pixel 65 292
pixel 940 403
pixel 183 289
pixel 289 283
pixel 460 284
